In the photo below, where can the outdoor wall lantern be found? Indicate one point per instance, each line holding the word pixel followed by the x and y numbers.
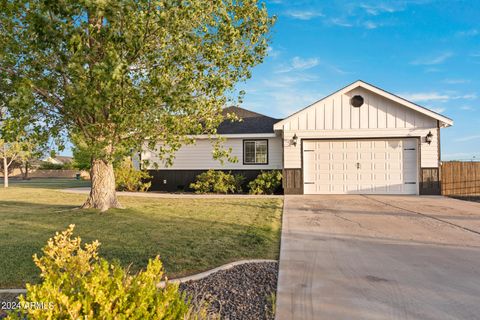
pixel 428 137
pixel 294 140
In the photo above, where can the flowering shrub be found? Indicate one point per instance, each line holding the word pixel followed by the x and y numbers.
pixel 267 182
pixel 217 182
pixel 78 284
pixel 127 178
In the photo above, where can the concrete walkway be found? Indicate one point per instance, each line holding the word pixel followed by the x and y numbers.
pixel 153 194
pixel 379 257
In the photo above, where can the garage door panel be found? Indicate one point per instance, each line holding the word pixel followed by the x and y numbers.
pixel 323 156
pixel 379 166
pixel 365 156
pixel 351 156
pixel 323 177
pixel 380 177
pixel 362 166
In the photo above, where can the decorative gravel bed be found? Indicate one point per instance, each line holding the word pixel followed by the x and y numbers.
pixel 5 298
pixel 243 292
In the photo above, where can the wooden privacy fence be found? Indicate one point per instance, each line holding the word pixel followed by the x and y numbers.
pixel 460 178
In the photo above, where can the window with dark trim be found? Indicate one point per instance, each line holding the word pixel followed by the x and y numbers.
pixel 255 151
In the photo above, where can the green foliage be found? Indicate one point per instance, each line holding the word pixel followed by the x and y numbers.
pixel 118 73
pixel 217 181
pixel 45 165
pixel 82 157
pixel 267 182
pixel 78 284
pixel 127 178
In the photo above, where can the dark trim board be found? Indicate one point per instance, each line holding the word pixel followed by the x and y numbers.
pixel 179 180
pixel 292 181
pixel 430 181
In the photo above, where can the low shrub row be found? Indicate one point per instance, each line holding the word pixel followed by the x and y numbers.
pixel 216 181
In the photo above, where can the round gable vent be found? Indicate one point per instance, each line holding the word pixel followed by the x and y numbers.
pixel 356 101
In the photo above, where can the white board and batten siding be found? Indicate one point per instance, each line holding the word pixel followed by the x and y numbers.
pixel 379 117
pixel 199 156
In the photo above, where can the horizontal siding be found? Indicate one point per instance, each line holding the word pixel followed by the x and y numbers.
pixel 377 112
pixel 428 152
pixel 199 156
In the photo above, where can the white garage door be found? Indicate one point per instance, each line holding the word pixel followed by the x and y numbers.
pixel 360 166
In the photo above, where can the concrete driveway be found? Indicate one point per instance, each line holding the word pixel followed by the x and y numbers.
pixel 379 257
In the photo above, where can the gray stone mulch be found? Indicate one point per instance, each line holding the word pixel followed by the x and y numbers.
pixel 5 298
pixel 243 292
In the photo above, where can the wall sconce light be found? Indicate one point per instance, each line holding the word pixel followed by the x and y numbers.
pixel 428 137
pixel 294 140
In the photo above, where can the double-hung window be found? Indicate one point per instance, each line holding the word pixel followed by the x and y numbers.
pixel 255 151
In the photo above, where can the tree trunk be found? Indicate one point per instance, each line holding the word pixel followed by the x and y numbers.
pixel 5 172
pixel 102 194
pixel 25 175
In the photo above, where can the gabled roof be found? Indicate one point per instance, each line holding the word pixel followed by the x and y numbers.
pixel 59 159
pixel 252 122
pixel 445 121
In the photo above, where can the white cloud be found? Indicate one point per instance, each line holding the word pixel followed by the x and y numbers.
pixel 378 8
pixel 298 63
pixel 271 52
pixel 433 60
pixel 468 138
pixel 281 101
pixel 337 69
pixel 439 109
pixel 285 81
pixel 425 96
pixel 436 96
pixel 455 81
pixel 469 96
pixel 303 14
pixel 467 108
pixel 468 33
pixel 340 23
pixel 370 25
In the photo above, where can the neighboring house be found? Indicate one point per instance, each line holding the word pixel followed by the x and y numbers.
pixel 59 160
pixel 360 139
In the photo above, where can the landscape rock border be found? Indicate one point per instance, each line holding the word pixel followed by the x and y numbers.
pixel 194 277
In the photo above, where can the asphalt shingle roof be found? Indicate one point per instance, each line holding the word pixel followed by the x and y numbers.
pixel 252 122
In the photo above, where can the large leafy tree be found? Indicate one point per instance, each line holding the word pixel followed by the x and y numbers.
pixel 19 140
pixel 116 73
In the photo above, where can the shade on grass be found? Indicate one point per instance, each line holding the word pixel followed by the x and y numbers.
pixel 190 235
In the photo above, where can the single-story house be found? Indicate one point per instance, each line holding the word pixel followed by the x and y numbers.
pixel 59 160
pixel 360 139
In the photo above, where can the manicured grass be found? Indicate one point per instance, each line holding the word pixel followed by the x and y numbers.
pixel 190 235
pixel 46 183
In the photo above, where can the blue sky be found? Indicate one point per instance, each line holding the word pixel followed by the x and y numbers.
pixel 425 51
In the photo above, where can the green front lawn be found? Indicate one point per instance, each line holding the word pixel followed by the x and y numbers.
pixel 47 183
pixel 190 235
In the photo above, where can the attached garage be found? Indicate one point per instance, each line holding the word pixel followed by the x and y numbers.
pixel 365 166
pixel 362 140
